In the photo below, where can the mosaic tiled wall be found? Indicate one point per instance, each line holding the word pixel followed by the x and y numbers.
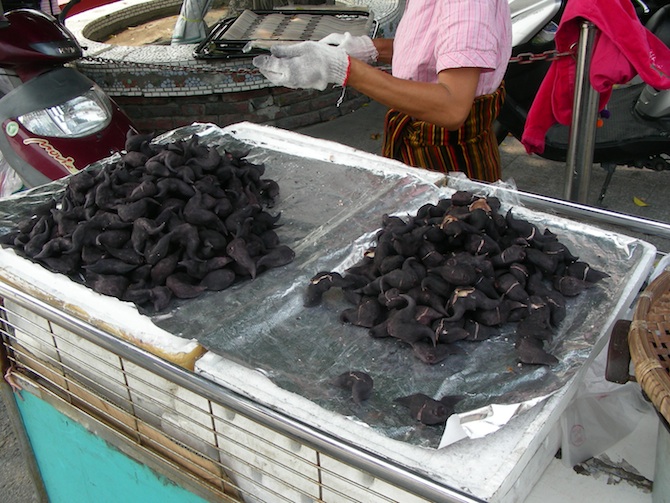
pixel 142 79
pixel 154 78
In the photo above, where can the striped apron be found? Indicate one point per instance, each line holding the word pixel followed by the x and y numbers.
pixel 472 149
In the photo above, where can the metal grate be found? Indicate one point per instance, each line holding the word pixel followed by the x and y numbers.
pixel 228 38
pixel 231 455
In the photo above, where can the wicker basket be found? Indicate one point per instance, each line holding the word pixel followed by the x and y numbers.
pixel 649 342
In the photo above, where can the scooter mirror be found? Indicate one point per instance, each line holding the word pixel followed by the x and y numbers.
pixel 3 19
pixel 64 11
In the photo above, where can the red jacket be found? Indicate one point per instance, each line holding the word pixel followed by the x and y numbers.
pixel 623 48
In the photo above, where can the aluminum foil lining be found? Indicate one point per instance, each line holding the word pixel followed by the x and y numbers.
pixel 330 212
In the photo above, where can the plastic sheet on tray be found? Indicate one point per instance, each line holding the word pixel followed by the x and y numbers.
pixel 330 211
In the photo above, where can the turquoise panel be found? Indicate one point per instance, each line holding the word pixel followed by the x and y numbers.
pixel 79 467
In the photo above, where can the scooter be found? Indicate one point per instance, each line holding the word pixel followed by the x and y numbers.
pixel 55 121
pixel 637 132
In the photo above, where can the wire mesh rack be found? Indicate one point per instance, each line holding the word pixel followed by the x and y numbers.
pixel 229 37
pixel 221 448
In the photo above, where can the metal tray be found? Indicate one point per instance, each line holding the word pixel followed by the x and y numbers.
pixel 229 37
pixel 332 198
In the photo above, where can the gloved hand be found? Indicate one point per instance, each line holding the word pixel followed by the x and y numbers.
pixel 306 65
pixel 360 47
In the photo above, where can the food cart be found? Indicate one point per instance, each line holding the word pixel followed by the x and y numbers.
pixel 228 396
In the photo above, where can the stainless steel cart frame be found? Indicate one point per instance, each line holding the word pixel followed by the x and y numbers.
pixel 204 437
pixel 121 393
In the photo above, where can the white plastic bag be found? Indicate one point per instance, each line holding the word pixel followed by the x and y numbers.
pixel 601 414
pixel 10 182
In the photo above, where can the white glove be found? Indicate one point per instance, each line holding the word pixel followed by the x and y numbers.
pixel 360 47
pixel 306 65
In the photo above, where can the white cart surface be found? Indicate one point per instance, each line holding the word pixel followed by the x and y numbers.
pixel 243 375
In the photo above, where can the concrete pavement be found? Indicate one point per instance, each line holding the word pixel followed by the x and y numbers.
pixel 363 128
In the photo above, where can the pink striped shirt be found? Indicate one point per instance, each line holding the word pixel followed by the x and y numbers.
pixel 434 35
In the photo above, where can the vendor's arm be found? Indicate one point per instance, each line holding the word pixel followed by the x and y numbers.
pixel 446 103
pixel 384 47
pixel 314 65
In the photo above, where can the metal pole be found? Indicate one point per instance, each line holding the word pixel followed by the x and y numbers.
pixel 583 129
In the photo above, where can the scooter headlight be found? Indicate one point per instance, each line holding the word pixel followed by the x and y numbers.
pixel 80 116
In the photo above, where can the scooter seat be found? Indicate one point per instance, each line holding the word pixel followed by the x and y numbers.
pixel 659 24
